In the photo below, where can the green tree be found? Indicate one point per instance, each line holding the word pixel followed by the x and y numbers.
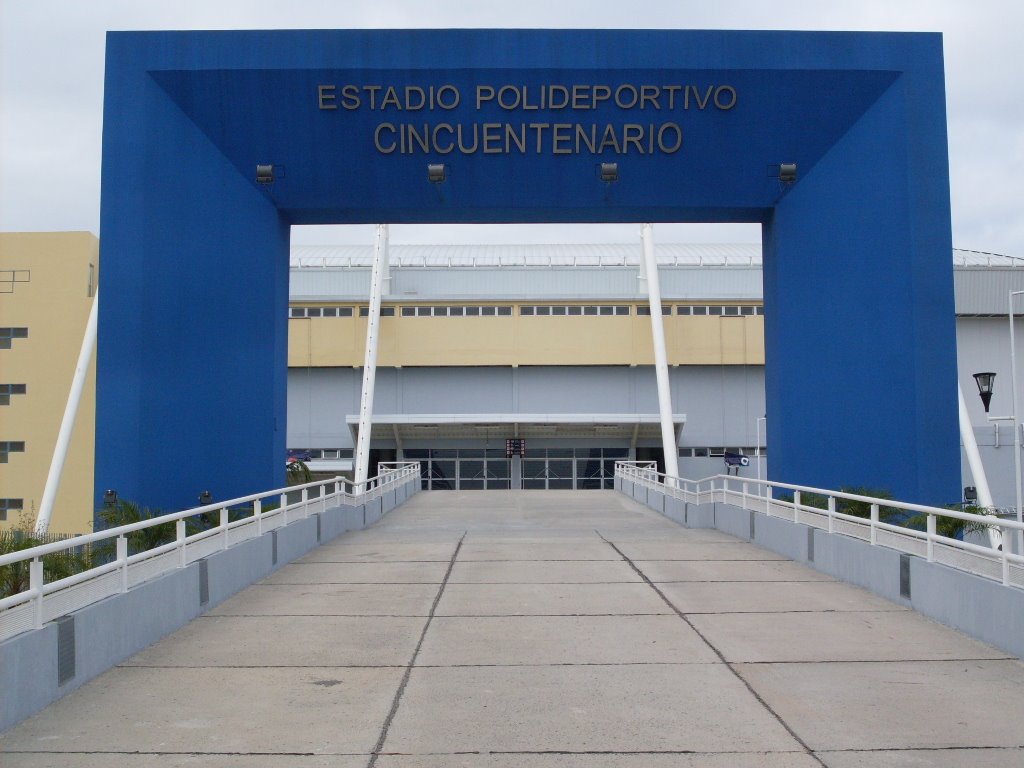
pixel 125 512
pixel 298 473
pixel 14 578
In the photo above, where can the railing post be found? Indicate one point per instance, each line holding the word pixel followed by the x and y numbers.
pixel 874 524
pixel 931 538
pixel 224 526
pixel 831 514
pixel 284 509
pixel 796 506
pixel 745 495
pixel 36 580
pixel 122 560
pixel 1006 559
pixel 305 502
pixel 257 513
pixel 179 539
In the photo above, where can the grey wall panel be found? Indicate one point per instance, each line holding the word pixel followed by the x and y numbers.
pixel 985 291
pixel 28 674
pixel 701 515
pixel 586 389
pixel 108 632
pixel 675 509
pixel 319 400
pixel 529 284
pixel 236 568
pixel 295 539
pixel 721 403
pixel 782 536
pixel 455 390
pixel 732 520
pixel 982 608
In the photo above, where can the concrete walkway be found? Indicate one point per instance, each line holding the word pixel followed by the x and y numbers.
pixel 543 629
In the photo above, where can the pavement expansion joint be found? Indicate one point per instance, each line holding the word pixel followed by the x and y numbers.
pixel 351 583
pixel 313 615
pixel 885 750
pixel 538 615
pixel 544 665
pixel 873 661
pixel 260 666
pixel 717 652
pixel 412 661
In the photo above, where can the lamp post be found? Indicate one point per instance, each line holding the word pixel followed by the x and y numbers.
pixel 986 382
pixel 1017 429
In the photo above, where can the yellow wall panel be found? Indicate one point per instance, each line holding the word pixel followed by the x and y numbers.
pixel 575 340
pixel 754 328
pixel 527 340
pixel 734 340
pixel 700 341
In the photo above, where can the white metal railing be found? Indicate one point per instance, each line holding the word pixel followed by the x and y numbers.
pixel 767 497
pixel 253 515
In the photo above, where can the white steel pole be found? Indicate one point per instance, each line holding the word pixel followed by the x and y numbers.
pixel 377 276
pixel 668 432
pixel 977 468
pixel 1016 425
pixel 67 424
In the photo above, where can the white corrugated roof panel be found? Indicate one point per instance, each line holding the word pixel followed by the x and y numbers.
pixel 583 255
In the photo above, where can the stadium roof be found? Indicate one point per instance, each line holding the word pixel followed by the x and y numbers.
pixel 584 255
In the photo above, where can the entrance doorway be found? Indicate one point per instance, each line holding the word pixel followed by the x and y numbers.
pixel 476 469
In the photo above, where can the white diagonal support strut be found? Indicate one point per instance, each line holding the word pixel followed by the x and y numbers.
pixel 67 424
pixel 669 441
pixel 977 468
pixel 377 277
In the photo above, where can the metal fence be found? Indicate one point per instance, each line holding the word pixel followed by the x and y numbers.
pixel 789 502
pixel 236 521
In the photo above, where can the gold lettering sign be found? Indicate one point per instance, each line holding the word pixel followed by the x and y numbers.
pixel 657 132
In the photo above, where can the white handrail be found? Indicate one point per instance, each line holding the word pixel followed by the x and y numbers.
pixel 724 488
pixel 220 536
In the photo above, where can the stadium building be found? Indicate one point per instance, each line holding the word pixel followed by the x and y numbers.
pixel 552 344
pixel 549 344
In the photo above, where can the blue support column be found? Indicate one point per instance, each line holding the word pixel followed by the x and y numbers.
pixel 861 378
pixel 192 357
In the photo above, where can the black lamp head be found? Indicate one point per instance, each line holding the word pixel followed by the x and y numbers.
pixel 986 384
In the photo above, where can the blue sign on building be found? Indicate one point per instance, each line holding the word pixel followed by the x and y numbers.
pixel 834 142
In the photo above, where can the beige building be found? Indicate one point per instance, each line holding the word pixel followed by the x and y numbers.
pixel 47 284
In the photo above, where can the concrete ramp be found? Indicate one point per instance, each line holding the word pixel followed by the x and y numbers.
pixel 543 629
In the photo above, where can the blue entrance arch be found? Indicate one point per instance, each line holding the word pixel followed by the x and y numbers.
pixel 859 319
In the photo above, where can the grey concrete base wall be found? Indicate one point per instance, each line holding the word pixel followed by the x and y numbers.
pixel 338 520
pixel 994 612
pixel 734 521
pixel 978 607
pixel 778 536
pixel 700 515
pixel 877 569
pixel 296 539
pixel 675 509
pixel 38 667
pixel 236 568
pixel 24 665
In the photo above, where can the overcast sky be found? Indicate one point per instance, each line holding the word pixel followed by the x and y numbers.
pixel 51 94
